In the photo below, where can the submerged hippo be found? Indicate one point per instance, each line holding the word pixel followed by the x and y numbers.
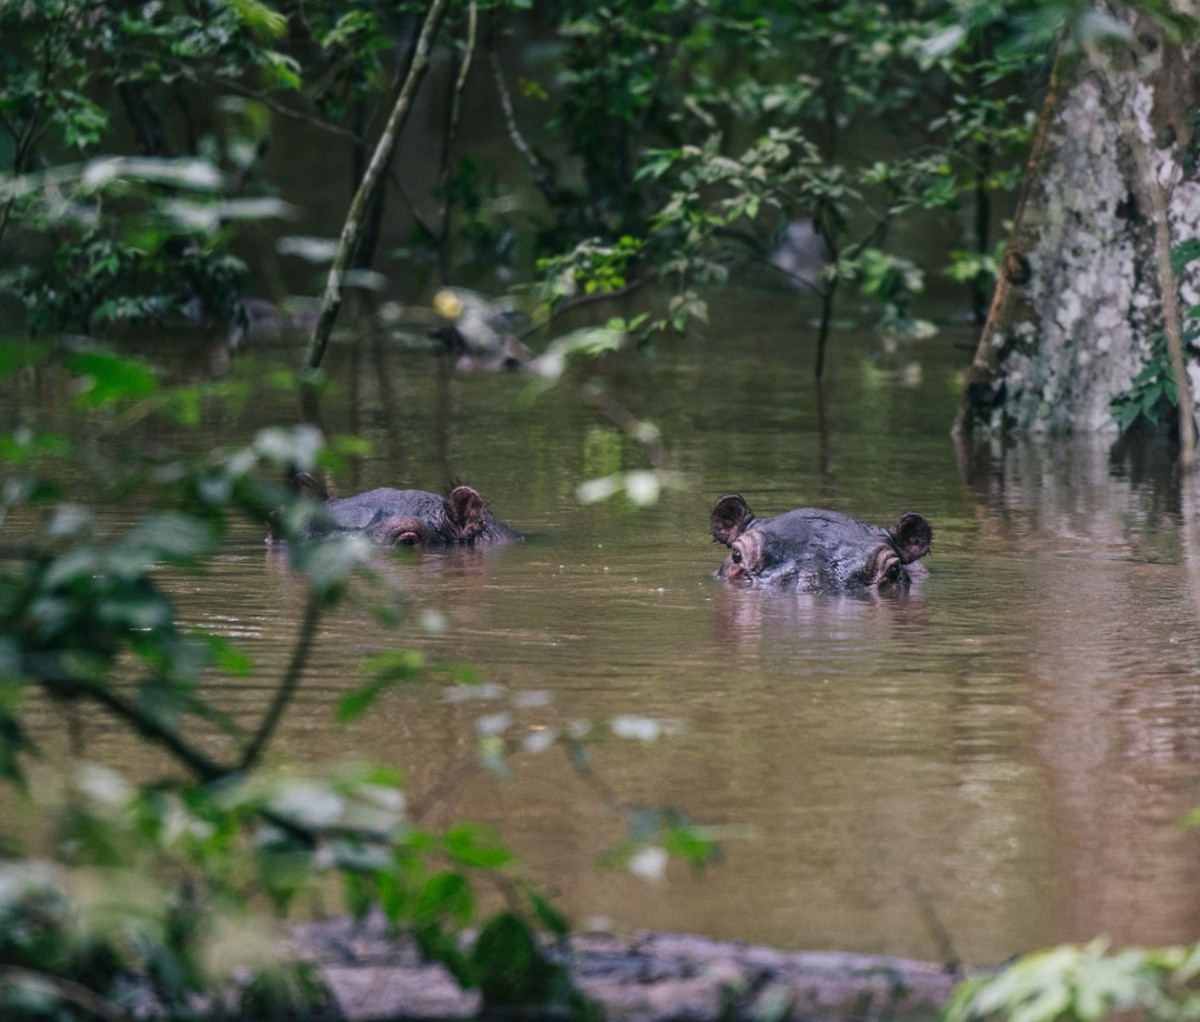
pixel 390 517
pixel 814 550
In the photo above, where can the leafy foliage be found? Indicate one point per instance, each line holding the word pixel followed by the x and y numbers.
pixel 675 133
pixel 1152 399
pixel 164 896
pixel 1084 984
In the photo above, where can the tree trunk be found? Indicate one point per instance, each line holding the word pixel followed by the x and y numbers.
pixel 1082 298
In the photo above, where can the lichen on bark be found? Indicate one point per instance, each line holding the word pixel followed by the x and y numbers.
pixel 1074 317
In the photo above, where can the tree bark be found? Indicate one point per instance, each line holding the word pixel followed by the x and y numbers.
pixel 373 179
pixel 1081 299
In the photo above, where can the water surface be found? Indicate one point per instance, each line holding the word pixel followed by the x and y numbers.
pixel 1007 747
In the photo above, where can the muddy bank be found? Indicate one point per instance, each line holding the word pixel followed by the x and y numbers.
pixel 652 978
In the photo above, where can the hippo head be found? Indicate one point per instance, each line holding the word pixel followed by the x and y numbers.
pixel 391 517
pixel 814 550
pixel 463 517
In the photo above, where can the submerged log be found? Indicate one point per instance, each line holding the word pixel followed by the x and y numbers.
pixel 651 978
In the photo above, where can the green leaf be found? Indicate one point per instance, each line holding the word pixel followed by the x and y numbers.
pixel 16 356
pixel 390 668
pixel 549 917
pixel 511 968
pixel 476 846
pixel 1184 253
pixel 329 562
pixel 446 895
pixel 258 17
pixel 106 378
pixel 284 70
pixel 225 654
pixel 23 447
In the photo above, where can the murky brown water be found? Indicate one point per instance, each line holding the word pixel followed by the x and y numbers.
pixel 1010 745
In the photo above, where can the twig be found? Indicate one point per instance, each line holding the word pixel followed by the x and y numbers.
pixel 67 989
pixel 451 136
pixel 372 180
pixel 983 366
pixel 584 300
pixel 450 780
pixel 550 191
pixel 197 762
pixel 288 684
pixel 630 425
pixel 274 105
pixel 933 925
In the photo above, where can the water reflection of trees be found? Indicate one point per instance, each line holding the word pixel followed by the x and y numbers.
pixel 1107 567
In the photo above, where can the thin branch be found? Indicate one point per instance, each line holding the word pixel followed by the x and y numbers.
pixel 275 106
pixel 67 989
pixel 793 278
pixel 933 925
pixel 287 686
pixel 630 425
pixel 983 366
pixel 450 780
pixel 372 180
pixel 541 176
pixel 413 211
pixel 205 768
pixel 449 137
pixel 584 300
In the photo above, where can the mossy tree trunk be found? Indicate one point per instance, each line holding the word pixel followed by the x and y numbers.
pixel 1111 185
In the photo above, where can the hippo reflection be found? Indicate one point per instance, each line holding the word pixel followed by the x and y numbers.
pixel 814 550
pixel 390 517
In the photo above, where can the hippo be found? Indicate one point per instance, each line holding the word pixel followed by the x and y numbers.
pixel 816 550
pixel 391 517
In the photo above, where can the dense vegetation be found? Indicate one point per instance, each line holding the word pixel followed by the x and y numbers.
pixel 663 142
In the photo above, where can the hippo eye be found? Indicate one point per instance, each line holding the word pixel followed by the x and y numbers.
pixel 893 573
pixel 736 557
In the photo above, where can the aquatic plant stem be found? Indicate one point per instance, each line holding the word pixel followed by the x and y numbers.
pixel 373 179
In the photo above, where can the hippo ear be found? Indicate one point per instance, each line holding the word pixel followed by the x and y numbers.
pixel 468 511
pixel 731 516
pixel 308 485
pixel 912 537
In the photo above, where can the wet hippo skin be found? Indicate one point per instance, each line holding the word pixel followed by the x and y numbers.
pixel 392 517
pixel 815 550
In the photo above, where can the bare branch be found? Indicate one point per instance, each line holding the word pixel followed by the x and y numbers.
pixel 372 180
pixel 451 136
pixel 541 176
pixel 67 989
pixel 288 684
pixel 205 768
pixel 583 300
